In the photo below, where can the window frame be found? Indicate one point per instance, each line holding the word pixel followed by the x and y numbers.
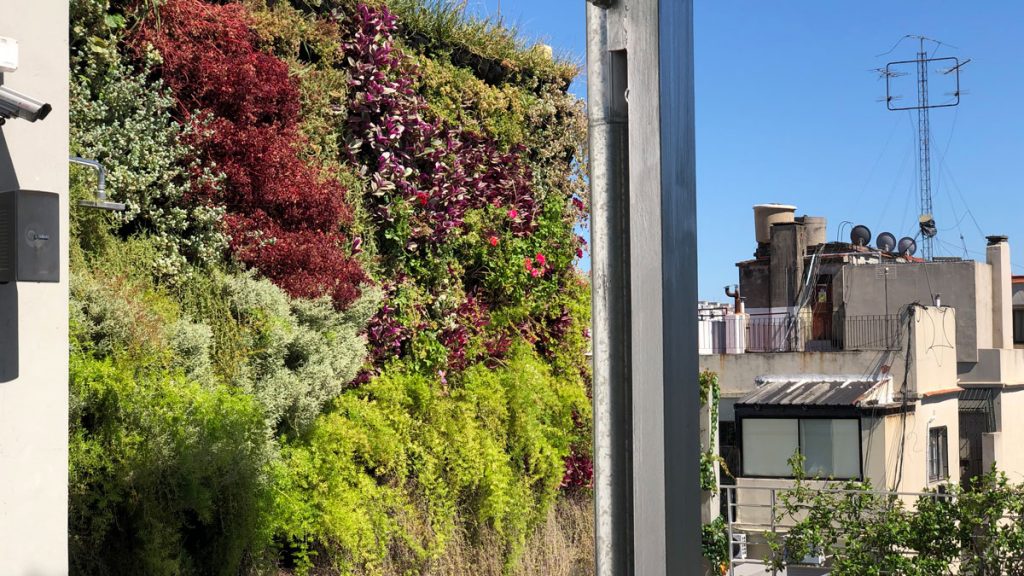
pixel 943 474
pixel 1018 327
pixel 800 418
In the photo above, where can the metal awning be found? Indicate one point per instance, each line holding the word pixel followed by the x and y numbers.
pixel 811 392
pixel 782 395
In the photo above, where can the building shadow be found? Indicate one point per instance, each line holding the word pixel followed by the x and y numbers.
pixel 9 291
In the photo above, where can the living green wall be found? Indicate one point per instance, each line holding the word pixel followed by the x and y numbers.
pixel 340 319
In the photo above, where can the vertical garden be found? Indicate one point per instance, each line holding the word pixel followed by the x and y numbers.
pixel 339 328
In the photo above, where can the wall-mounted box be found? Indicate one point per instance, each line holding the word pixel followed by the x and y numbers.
pixel 29 236
pixel 8 54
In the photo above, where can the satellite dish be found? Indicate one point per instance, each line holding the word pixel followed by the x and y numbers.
pixel 907 246
pixel 860 235
pixel 885 242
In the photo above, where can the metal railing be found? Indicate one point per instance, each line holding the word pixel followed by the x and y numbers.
pixel 809 332
pixel 760 516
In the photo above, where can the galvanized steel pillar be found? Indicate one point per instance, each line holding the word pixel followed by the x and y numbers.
pixel 644 271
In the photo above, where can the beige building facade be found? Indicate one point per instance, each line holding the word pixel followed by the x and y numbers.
pixel 34 316
pixel 912 370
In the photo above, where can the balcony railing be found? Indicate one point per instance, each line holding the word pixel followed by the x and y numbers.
pixel 756 515
pixel 809 332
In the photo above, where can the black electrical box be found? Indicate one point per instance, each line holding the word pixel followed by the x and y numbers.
pixel 29 236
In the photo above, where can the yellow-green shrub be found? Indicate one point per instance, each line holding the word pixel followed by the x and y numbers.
pixel 389 470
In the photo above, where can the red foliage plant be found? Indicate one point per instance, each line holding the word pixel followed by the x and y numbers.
pixel 284 216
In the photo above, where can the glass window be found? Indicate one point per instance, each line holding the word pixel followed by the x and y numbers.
pixel 1018 326
pixel 831 447
pixel 938 455
pixel 767 446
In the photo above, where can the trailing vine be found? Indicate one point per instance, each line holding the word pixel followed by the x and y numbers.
pixel 709 395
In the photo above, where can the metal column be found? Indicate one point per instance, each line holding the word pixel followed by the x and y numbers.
pixel 609 227
pixel 646 401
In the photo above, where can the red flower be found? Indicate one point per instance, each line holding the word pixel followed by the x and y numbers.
pixel 528 263
pixel 579 252
pixel 534 272
pixel 422 196
pixel 513 213
pixel 541 259
pixel 493 240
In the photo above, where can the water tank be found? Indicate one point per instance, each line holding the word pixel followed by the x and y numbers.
pixel 814 228
pixel 765 215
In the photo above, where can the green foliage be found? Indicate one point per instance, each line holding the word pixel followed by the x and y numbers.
pixel 120 119
pixel 215 426
pixel 710 392
pixel 292 355
pixel 494 51
pixel 867 532
pixel 714 542
pixel 490 445
pixel 165 476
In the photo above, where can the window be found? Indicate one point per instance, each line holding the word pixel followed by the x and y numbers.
pixel 1018 326
pixel 830 446
pixel 938 455
pixel 768 444
pixel 729 449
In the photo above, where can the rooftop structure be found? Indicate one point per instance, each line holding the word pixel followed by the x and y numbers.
pixel 859 329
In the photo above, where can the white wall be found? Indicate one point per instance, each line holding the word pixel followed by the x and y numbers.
pixel 1009 457
pixel 34 317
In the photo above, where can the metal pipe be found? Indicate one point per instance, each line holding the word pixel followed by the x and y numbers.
pixel 101 201
pixel 101 189
pixel 728 518
pixel 610 266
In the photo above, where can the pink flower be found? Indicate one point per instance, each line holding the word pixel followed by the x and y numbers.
pixel 513 213
pixel 579 252
pixel 493 240
pixel 534 272
pixel 528 263
pixel 541 259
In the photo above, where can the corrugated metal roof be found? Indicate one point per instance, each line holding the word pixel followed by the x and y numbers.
pixel 819 391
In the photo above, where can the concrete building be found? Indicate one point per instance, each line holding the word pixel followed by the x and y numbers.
pixel 850 343
pixel 1018 311
pixel 34 315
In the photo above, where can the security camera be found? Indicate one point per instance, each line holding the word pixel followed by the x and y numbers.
pixel 17 105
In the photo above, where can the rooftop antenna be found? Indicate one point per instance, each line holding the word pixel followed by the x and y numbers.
pixel 952 65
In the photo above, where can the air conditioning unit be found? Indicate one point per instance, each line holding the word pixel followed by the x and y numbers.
pixel 739 546
pixel 815 558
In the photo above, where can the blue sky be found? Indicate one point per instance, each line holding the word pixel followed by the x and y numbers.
pixel 787 112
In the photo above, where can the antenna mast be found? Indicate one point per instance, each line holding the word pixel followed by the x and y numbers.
pixel 926 220
pixel 924 155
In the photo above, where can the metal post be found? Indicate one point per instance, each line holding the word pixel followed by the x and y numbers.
pixel 609 226
pixel 645 272
pixel 774 571
pixel 728 519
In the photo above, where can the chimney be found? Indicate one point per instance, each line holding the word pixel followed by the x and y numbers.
pixel 998 256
